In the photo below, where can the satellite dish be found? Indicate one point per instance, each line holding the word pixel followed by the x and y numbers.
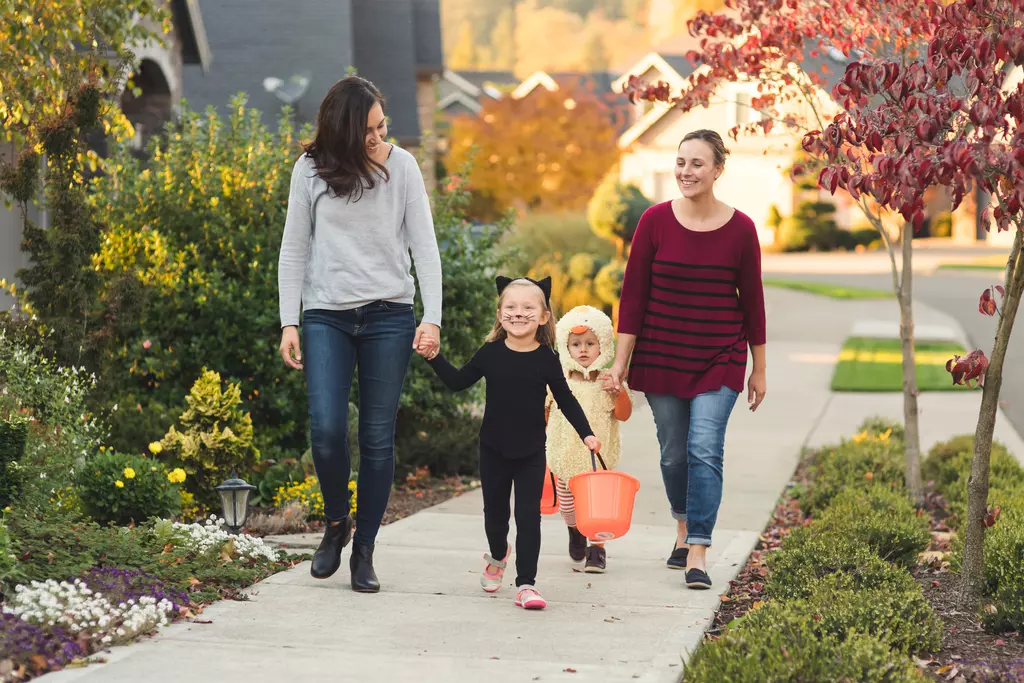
pixel 290 91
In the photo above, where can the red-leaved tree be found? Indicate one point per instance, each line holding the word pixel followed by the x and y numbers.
pixel 952 119
pixel 779 44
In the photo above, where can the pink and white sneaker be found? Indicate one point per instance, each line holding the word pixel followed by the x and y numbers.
pixel 527 597
pixel 490 579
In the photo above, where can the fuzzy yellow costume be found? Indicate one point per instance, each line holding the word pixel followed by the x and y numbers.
pixel 567 455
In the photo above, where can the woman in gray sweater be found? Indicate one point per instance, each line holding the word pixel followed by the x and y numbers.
pixel 356 208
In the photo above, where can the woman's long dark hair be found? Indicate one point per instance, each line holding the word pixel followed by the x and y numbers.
pixel 339 147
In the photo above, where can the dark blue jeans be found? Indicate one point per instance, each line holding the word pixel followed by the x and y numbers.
pixel 376 340
pixel 691 433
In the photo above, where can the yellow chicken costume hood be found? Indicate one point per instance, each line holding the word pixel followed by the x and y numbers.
pixel 567 455
pixel 578 321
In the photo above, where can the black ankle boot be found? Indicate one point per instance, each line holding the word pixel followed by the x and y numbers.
pixel 327 558
pixel 364 579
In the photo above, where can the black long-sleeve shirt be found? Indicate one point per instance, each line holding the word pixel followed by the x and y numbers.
pixel 517 383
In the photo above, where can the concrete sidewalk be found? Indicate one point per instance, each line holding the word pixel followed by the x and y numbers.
pixel 432 623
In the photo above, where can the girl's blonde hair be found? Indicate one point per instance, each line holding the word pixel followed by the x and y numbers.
pixel 545 332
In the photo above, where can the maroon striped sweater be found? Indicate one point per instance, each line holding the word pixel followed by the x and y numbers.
pixel 695 301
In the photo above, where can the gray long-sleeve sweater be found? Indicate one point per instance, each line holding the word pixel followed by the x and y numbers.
pixel 342 254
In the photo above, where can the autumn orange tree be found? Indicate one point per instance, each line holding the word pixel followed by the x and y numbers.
pixel 950 119
pixel 546 151
pixel 771 43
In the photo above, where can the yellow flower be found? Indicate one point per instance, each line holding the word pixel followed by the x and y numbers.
pixel 129 473
pixel 119 484
pixel 156 448
pixel 176 476
pixel 152 469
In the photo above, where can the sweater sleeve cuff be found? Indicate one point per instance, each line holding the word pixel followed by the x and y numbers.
pixel 757 337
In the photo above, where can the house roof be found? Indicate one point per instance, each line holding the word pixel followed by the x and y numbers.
pixel 385 53
pixel 195 47
pixel 600 82
pixel 390 42
pixel 426 19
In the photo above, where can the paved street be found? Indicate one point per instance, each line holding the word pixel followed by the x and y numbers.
pixel 954 292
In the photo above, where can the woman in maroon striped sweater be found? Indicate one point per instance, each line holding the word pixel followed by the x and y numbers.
pixel 692 304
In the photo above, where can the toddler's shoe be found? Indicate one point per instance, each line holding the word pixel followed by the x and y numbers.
pixel 527 597
pixel 490 579
pixel 577 547
pixel 595 560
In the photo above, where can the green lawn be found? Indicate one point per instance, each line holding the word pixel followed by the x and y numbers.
pixel 829 290
pixel 876 365
pixel 984 263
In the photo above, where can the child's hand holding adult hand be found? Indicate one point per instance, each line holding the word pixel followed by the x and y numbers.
pixel 593 443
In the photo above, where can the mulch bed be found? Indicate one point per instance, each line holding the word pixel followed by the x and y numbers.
pixel 410 498
pixel 968 654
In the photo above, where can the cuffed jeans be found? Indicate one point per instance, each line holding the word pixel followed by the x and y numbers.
pixel 691 433
pixel 376 340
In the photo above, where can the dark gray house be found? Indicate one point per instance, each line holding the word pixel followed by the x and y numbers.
pixel 279 51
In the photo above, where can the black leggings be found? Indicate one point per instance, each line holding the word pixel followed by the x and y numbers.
pixel 497 474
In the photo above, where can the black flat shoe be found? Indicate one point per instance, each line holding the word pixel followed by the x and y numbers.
pixel 577 545
pixel 360 562
pixel 327 558
pixel 596 560
pixel 677 560
pixel 697 579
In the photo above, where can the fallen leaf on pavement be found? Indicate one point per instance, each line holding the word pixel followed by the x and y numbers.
pixel 569 670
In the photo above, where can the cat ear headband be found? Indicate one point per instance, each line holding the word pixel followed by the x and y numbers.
pixel 545 285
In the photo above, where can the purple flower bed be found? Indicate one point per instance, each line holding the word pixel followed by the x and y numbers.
pixel 120 585
pixel 20 641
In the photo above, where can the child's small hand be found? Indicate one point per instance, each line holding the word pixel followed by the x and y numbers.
pixel 593 443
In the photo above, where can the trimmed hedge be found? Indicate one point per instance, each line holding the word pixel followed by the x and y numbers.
pixel 793 649
pixel 882 519
pixel 902 619
pixel 860 464
pixel 807 557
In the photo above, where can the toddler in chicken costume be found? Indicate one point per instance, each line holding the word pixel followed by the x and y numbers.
pixel 585 341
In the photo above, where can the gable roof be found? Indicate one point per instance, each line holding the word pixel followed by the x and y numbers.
pixel 390 42
pixel 195 47
pixel 600 82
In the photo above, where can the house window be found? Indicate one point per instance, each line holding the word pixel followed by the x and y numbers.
pixel 743 113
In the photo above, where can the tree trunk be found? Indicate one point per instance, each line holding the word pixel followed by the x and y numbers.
pixel 912 441
pixel 973 572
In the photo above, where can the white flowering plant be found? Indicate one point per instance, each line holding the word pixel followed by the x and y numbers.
pixel 211 536
pixel 53 399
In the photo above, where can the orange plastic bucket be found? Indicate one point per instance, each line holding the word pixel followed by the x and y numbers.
pixel 549 498
pixel 604 503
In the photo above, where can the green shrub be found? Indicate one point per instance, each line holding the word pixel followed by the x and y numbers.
pixel 550 236
pixel 7 558
pixel 861 463
pixel 812 227
pixel 902 619
pixel 13 436
pixel 807 557
pixel 215 440
pixel 882 519
pixel 62 432
pixel 615 209
pixel 116 488
pixel 877 425
pixel 792 650
pixel 948 461
pixel 447 449
pixel 188 269
pixel 1004 573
